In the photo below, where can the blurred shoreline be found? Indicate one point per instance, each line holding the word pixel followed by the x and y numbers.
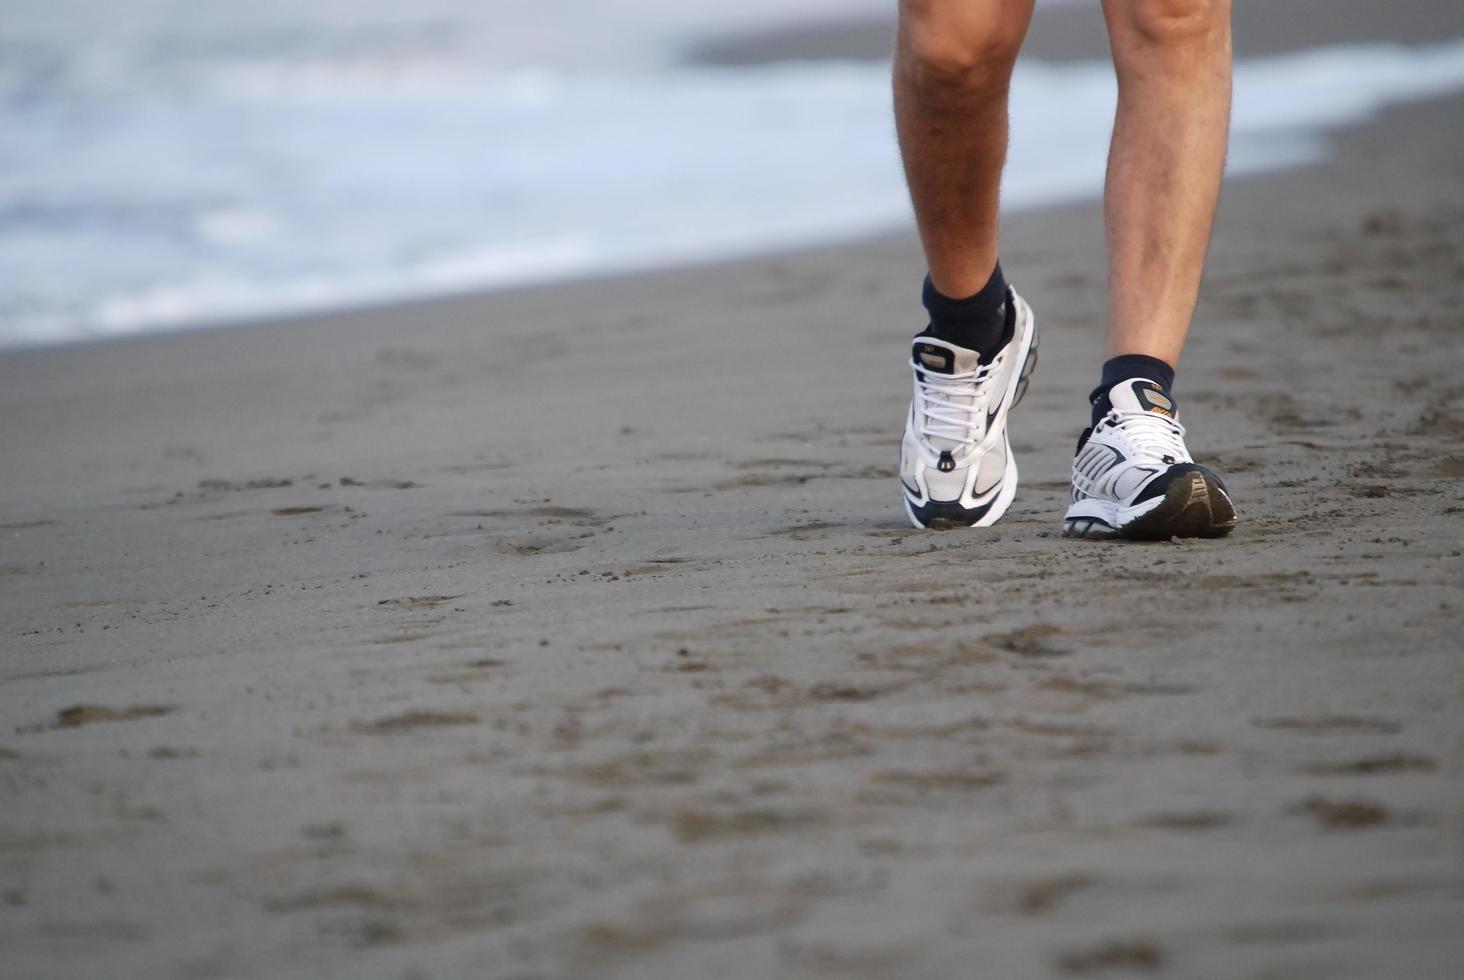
pixel 1074 32
pixel 336 169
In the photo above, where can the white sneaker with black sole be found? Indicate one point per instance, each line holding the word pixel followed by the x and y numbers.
pixel 1134 478
pixel 956 466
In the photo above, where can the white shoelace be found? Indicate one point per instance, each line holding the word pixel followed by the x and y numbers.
pixel 1152 434
pixel 942 416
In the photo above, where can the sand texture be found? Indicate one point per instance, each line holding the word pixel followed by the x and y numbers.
pixel 578 631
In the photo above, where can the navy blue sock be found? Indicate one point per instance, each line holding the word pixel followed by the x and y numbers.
pixel 1124 367
pixel 977 322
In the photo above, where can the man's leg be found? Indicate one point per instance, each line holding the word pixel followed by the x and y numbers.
pixel 1164 167
pixel 1133 476
pixel 953 67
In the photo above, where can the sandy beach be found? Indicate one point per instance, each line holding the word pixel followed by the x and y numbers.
pixel 578 631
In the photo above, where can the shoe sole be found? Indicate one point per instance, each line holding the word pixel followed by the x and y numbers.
pixel 1193 506
pixel 989 517
pixel 1009 478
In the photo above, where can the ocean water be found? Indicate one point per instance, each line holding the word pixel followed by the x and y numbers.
pixel 167 164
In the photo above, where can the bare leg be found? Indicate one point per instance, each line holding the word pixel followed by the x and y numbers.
pixel 953 67
pixel 1164 168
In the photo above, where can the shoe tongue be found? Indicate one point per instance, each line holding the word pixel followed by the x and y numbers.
pixel 937 356
pixel 1142 395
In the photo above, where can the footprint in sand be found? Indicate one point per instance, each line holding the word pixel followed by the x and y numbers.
pixel 1373 765
pixel 1122 955
pixel 556 530
pixel 415 720
pixel 419 601
pixel 542 543
pixel 1343 814
pixel 79 715
pixel 1330 725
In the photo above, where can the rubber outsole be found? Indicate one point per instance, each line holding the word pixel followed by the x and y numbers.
pixel 984 517
pixel 1194 506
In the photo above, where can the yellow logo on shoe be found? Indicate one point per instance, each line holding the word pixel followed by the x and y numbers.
pixel 935 357
pixel 1155 401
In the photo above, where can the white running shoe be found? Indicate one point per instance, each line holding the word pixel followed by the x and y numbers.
pixel 956 464
pixel 1133 477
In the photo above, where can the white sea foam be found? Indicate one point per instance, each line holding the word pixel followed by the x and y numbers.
pixel 142 193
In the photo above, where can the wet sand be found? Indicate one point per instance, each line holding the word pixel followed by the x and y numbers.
pixel 578 632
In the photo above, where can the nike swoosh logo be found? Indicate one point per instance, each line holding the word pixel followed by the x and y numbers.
pixel 910 490
pixel 990 491
pixel 991 416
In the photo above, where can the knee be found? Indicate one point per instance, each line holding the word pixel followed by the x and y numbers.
pixel 957 48
pixel 1171 23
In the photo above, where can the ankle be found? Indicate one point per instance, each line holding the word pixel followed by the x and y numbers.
pixel 1125 367
pixel 978 322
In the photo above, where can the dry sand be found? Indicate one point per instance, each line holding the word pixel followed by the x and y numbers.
pixel 577 631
